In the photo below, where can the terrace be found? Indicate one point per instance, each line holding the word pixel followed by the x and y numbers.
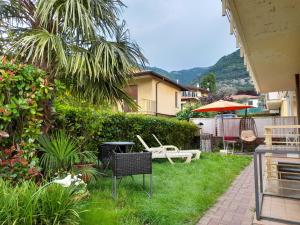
pixel 267 33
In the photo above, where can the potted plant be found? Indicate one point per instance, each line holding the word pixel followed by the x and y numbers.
pixel 61 154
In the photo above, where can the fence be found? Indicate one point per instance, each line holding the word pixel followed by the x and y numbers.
pixel 231 125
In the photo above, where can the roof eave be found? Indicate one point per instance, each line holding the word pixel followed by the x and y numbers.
pixel 161 77
pixel 229 10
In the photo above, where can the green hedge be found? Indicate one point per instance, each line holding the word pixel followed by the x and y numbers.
pixel 94 127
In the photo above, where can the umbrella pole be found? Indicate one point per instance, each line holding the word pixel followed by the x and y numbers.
pixel 223 130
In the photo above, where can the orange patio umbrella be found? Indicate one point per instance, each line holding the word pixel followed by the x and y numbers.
pixel 221 106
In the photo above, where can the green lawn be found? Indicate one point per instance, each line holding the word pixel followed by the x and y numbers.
pixel 181 193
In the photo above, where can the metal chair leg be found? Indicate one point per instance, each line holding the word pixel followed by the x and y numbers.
pixel 150 185
pixel 114 187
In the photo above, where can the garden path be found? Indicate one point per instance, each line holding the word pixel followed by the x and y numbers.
pixel 237 205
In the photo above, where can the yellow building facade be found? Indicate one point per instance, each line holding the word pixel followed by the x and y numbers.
pixel 154 94
pixel 283 102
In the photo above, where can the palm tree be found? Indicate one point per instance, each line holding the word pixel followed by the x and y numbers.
pixel 81 42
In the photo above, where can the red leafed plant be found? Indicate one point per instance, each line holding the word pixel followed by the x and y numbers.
pixel 23 92
pixel 16 164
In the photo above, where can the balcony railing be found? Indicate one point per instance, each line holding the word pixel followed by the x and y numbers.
pixel 273 96
pixel 147 106
pixel 286 135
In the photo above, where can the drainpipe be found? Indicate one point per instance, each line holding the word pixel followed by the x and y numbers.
pixel 156 97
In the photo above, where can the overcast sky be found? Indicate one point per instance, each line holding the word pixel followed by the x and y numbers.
pixel 179 34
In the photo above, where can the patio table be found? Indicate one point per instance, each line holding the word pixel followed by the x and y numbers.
pixel 107 148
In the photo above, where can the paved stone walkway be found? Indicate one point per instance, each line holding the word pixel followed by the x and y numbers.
pixel 237 205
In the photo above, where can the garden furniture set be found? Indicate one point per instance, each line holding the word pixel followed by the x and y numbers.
pixel 223 106
pixel 118 156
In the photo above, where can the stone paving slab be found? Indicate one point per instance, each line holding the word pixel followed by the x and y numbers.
pixel 237 205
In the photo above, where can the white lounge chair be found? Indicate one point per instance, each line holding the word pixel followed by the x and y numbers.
pixel 195 152
pixel 161 153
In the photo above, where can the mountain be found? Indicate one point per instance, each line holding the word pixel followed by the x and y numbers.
pixel 187 76
pixel 229 70
pixel 184 77
pixel 160 71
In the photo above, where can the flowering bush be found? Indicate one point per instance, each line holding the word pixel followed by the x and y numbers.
pixel 23 92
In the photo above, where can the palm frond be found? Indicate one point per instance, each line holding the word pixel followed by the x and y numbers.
pixel 78 41
pixel 101 72
pixel 42 48
pixel 60 152
pixel 84 17
pixel 99 92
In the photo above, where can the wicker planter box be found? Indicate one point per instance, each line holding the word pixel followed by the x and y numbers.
pixel 104 155
pixel 128 164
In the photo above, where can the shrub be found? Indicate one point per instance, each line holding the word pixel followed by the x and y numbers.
pixel 29 204
pixel 187 113
pixel 16 164
pixel 23 92
pixel 95 127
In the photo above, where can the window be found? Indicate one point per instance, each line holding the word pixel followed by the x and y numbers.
pixel 250 102
pixel 176 99
pixel 132 91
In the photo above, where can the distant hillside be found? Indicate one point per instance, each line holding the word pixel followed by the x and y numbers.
pixel 187 76
pixel 229 70
pixel 183 76
pixel 160 71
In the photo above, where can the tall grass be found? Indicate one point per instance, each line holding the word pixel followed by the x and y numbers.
pixel 15 206
pixel 181 193
pixel 28 204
